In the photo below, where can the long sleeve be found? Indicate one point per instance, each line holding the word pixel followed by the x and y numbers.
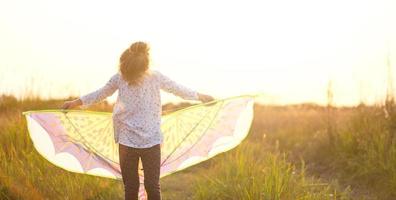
pixel 100 94
pixel 171 86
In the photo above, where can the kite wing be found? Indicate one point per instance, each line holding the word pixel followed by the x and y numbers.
pixel 77 141
pixel 197 133
pixel 83 141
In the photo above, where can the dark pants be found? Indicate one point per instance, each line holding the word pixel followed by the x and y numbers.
pixel 151 160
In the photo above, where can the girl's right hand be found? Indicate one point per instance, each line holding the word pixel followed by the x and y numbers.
pixel 205 98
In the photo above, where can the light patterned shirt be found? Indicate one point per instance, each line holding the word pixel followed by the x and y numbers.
pixel 137 111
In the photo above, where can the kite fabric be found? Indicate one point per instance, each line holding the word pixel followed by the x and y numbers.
pixel 83 141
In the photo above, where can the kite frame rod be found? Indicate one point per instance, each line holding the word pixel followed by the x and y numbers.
pixel 109 113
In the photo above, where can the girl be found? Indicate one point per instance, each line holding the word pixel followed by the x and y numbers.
pixel 137 116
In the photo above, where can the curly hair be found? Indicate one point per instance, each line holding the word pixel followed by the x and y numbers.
pixel 134 62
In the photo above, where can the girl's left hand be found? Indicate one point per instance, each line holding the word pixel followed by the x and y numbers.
pixel 71 104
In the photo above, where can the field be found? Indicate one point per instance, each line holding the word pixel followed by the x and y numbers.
pixel 292 152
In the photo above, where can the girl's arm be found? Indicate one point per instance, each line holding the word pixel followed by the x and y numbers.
pixel 171 86
pixel 96 96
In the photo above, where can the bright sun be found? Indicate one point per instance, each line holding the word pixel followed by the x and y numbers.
pixel 286 49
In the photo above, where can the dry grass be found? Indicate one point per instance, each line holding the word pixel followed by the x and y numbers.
pixel 286 156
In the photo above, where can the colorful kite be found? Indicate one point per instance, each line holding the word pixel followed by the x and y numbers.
pixel 83 141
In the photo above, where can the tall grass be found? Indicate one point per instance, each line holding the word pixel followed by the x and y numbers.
pixel 287 155
pixel 253 174
pixel 362 155
pixel 365 155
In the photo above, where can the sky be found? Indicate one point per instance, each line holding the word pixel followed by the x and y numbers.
pixel 287 50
